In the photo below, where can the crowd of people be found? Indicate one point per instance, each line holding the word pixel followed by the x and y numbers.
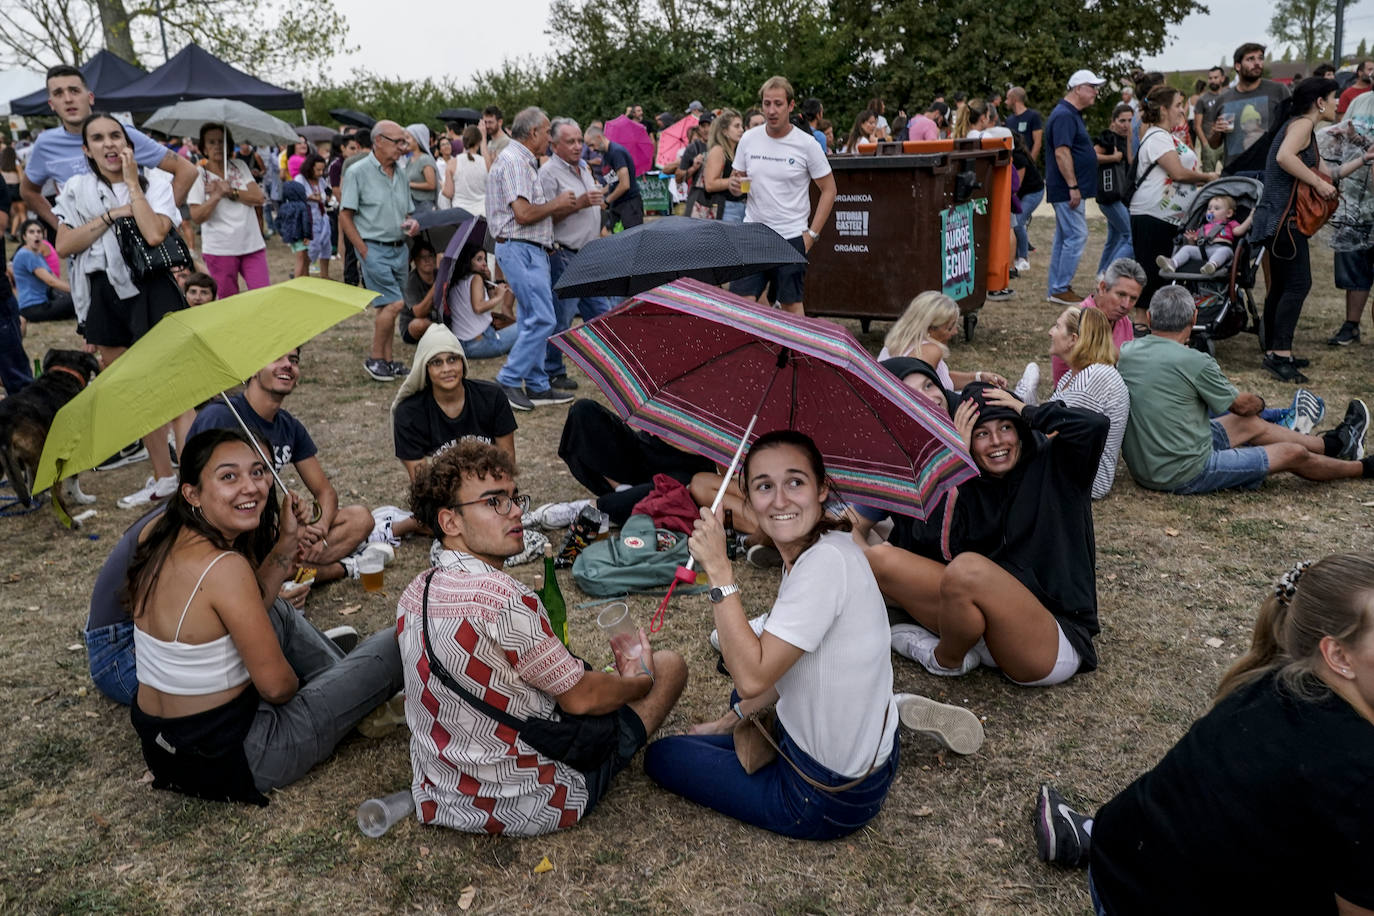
pixel 236 693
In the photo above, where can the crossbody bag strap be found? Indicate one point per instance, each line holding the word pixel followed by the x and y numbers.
pixel 844 787
pixel 1141 179
pixel 437 667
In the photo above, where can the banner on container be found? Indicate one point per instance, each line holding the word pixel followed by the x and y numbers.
pixel 956 251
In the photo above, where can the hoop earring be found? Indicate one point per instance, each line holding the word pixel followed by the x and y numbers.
pixel 199 515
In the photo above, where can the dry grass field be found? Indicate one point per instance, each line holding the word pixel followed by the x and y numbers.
pixel 85 834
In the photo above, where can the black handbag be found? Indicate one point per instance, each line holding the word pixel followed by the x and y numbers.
pixel 144 259
pixel 582 742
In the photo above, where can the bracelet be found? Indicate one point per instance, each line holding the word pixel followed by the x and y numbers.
pixel 978 376
pixel 644 669
pixel 1073 187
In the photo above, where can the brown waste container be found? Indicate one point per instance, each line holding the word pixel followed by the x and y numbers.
pixel 909 217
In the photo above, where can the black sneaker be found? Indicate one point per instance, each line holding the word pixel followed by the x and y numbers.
pixel 581 532
pixel 997 295
pixel 548 396
pixel 345 637
pixel 1347 334
pixel 1060 836
pixel 1283 368
pixel 562 383
pixel 517 398
pixel 1351 431
pixel 398 370
pixel 125 456
pixel 379 370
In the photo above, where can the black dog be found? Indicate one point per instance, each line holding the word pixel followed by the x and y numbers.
pixel 26 417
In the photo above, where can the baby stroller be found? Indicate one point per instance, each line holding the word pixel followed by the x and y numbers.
pixel 1225 299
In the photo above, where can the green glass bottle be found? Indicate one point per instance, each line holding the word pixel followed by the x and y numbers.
pixel 552 598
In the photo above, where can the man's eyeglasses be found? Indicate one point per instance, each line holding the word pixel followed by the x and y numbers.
pixel 399 141
pixel 500 504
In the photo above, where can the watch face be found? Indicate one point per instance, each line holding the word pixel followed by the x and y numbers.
pixel 715 596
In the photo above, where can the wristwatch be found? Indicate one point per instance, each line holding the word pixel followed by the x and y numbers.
pixel 719 593
pixel 814 235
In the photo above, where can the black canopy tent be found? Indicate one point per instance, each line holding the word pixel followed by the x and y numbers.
pixel 104 72
pixel 194 73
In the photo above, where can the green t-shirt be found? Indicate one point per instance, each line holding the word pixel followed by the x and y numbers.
pixel 1173 388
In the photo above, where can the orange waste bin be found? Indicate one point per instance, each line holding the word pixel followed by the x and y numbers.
pixel 909 217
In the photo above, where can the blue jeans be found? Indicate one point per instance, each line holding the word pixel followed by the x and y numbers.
pixel 704 769
pixel 1118 234
pixel 1020 222
pixel 526 268
pixel 110 655
pixel 1229 468
pixel 491 343
pixel 734 211
pixel 15 373
pixel 1070 238
pixel 588 307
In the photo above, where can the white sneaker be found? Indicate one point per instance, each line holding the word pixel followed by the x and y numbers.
pixel 1022 265
pixel 955 727
pixel 383 518
pixel 155 490
pixel 1027 389
pixel 552 516
pixel 756 624
pixel 918 644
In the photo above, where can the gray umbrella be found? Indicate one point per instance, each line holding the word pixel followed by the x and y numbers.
pixel 243 121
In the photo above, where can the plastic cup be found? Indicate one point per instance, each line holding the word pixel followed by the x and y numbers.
pixel 377 815
pixel 743 183
pixel 620 628
pixel 370 567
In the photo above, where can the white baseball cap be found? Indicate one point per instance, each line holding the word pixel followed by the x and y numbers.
pixel 1085 76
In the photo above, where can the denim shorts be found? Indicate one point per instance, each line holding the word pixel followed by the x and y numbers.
pixel 1229 468
pixel 110 653
pixel 384 272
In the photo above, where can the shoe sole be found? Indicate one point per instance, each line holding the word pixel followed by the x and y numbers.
pixel 379 378
pixel 1064 302
pixel 1044 826
pixel 516 405
pixel 955 727
pixel 124 503
pixel 551 401
pixel 1364 428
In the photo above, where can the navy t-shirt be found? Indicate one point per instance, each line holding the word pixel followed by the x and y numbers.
pixel 423 429
pixel 290 442
pixel 1066 128
pixel 1024 124
pixel 617 157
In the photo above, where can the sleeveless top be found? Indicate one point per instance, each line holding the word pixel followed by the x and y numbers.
pixel 184 669
pixel 1278 184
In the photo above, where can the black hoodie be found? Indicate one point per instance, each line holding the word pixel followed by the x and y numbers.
pixel 1036 522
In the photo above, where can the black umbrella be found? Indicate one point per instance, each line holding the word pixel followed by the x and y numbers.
pixel 668 249
pixel 352 117
pixel 461 115
pixel 316 133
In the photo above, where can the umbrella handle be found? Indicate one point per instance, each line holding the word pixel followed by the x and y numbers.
pixel 253 441
pixel 734 466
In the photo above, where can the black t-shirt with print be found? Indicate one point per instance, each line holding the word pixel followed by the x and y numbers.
pixel 422 429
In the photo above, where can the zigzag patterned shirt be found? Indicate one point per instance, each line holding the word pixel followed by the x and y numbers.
pixel 469 772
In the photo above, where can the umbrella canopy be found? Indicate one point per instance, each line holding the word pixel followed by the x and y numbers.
pixel 462 247
pixel 195 73
pixel 103 72
pixel 658 252
pixel 462 115
pixel 188 357
pixel 185 119
pixel 674 140
pixel 351 117
pixel 315 133
pixel 630 134
pixel 701 368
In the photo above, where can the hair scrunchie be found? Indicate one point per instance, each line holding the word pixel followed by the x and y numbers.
pixel 1287 584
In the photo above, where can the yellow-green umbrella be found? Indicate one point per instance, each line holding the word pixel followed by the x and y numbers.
pixel 187 358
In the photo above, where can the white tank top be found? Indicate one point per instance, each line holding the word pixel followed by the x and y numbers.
pixel 186 669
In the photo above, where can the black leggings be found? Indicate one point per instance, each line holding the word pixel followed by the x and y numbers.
pixel 1290 280
pixel 59 307
pixel 598 447
pixel 1151 237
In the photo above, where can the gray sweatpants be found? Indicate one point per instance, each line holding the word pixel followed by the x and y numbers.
pixel 336 692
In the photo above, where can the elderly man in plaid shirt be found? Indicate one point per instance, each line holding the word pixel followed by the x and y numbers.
pixel 520 217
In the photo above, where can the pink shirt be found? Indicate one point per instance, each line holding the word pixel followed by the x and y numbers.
pixel 1122 331
pixel 922 128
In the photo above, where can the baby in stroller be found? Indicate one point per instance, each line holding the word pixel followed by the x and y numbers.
pixel 1214 242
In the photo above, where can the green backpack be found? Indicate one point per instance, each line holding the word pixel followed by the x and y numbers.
pixel 629 560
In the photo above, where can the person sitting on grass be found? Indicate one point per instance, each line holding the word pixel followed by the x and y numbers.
pixel 331 544
pixel 200 288
pixel 924 331
pixel 480 312
pixel 1003 573
pixel 472 627
pixel 235 698
pixel 1173 445
pixel 42 293
pixel 1273 780
pixel 1118 291
pixel 417 306
pixel 822 658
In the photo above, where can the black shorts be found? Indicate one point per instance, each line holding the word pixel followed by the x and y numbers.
pixel 115 322
pixel 631 736
pixel 1354 270
pixel 629 213
pixel 785 284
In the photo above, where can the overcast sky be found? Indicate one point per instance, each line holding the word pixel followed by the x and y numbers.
pixel 463 38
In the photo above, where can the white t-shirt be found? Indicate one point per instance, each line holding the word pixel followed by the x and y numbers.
pixel 780 176
pixel 470 183
pixel 1159 195
pixel 233 228
pixel 834 699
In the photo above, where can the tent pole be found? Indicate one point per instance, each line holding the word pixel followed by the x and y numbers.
pixel 304 119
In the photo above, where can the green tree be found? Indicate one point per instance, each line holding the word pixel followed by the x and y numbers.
pixel 1287 54
pixel 1309 25
pixel 1362 50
